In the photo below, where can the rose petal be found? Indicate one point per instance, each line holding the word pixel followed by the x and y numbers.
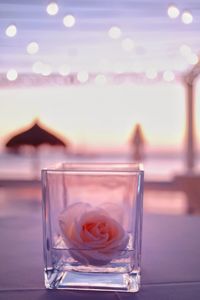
pixel 73 212
pixel 91 234
pixel 79 256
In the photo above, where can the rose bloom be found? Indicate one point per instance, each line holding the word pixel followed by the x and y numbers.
pixel 91 234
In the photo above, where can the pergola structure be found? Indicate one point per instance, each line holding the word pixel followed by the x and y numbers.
pixel 189 81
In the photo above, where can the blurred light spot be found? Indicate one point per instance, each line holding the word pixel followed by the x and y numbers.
pixel 128 44
pixel 151 74
pixel 82 76
pixel 168 76
pixel 114 32
pixel 185 50
pixel 12 75
pixel 193 59
pixel 100 79
pixel 187 17
pixel 11 31
pixel 37 67
pixel 46 70
pixel 32 48
pixel 173 12
pixel 52 8
pixel 64 70
pixel 69 21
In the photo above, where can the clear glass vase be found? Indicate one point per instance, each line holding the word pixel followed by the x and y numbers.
pixel 92 224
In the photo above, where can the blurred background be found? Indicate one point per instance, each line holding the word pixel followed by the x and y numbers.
pixel 112 81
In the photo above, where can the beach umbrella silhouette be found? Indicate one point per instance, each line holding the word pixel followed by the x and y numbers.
pixel 34 136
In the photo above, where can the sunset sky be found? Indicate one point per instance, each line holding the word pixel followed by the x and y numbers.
pixel 155 41
pixel 101 116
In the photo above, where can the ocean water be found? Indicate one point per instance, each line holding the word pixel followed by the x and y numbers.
pixel 28 167
pixel 26 199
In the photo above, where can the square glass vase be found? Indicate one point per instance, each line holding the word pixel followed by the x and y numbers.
pixel 92 226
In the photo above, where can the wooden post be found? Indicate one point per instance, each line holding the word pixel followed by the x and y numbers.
pixel 190 155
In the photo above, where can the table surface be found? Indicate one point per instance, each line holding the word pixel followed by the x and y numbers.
pixel 170 260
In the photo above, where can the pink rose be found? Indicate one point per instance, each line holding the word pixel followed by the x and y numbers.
pixel 91 234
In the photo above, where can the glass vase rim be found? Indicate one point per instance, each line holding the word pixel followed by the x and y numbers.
pixel 95 167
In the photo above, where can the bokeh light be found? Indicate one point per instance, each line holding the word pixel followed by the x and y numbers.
pixel 187 17
pixel 128 44
pixel 46 70
pixel 187 53
pixel 32 48
pixel 193 59
pixel 52 8
pixel 64 70
pixel 12 75
pixel 173 12
pixel 69 21
pixel 168 76
pixel 82 76
pixel 37 67
pixel 185 50
pixel 100 79
pixel 114 32
pixel 42 68
pixel 151 74
pixel 11 31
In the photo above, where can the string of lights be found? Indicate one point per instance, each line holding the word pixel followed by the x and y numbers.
pixel 106 54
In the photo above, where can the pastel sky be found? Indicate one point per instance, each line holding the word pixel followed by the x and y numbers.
pixel 101 116
pixel 148 36
pixel 87 114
